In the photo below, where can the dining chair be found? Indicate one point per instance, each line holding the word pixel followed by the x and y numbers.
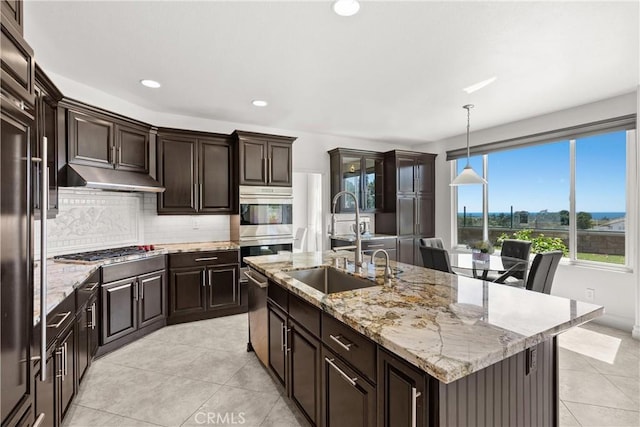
pixel 436 259
pixel 543 269
pixel 512 248
pixel 433 242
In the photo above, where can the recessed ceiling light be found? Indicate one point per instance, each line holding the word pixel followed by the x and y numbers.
pixel 259 103
pixel 150 83
pixel 480 85
pixel 346 7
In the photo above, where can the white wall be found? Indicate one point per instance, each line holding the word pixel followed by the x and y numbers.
pixel 616 291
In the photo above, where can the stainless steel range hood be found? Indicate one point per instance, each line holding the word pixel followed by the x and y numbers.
pixel 109 179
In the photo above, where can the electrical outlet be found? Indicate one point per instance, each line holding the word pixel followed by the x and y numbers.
pixel 590 294
pixel 195 222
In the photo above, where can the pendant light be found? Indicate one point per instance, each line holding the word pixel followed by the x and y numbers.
pixel 468 175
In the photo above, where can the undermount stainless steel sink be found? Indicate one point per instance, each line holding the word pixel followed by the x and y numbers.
pixel 329 280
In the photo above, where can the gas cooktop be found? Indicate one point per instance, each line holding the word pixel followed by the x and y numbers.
pixel 102 254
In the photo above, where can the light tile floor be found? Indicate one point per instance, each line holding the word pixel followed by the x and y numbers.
pixel 200 374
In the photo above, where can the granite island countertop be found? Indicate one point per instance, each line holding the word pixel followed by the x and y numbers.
pixel 447 325
pixel 63 276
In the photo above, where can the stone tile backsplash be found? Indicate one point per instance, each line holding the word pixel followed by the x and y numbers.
pixel 93 219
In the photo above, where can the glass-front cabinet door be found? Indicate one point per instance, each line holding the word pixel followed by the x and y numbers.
pixel 359 172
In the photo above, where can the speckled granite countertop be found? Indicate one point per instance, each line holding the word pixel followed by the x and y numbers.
pixel 63 277
pixel 449 326
pixel 365 237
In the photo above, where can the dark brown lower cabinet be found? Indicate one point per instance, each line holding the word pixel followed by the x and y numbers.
pixel 119 309
pixel 66 351
pixel 305 352
pixel 204 285
pixel 402 393
pixel 347 399
pixel 88 334
pixel 277 348
pixel 45 391
pixel 133 299
pixel 295 354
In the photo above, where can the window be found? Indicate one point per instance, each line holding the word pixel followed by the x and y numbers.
pixel 574 189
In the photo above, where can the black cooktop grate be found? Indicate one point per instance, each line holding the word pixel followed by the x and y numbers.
pixel 102 254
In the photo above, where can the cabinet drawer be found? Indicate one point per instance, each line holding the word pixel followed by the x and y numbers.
pixel 372 245
pixel 349 344
pixel 190 259
pixel 123 270
pixel 305 314
pixel 18 71
pixel 278 295
pixel 87 289
pixel 57 321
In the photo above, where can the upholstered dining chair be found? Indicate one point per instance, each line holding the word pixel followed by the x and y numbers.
pixel 542 272
pixel 436 258
pixel 433 242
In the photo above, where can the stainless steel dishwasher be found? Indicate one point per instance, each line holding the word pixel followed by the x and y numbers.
pixel 258 316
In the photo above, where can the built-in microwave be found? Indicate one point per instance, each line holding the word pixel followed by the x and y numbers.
pixel 265 213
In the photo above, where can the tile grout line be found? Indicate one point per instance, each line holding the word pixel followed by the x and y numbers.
pixel 114 414
pixel 569 410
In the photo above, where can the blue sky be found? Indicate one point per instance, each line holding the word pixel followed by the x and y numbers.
pixel 537 177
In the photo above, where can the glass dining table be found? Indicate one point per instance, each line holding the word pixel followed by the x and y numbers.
pixel 484 266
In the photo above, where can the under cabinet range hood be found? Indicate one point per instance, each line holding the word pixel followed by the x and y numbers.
pixel 109 179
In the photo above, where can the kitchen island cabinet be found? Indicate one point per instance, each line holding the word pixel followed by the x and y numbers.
pixel 439 337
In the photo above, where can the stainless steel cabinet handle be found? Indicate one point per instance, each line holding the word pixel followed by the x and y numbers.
pixel 204 278
pixel 211 258
pixel 350 380
pixel 66 360
pixel 287 348
pixel 340 343
pixel 375 246
pixel 113 154
pixel 142 289
pixel 93 315
pixel 94 285
pixel 269 170
pixel 57 325
pixel 200 195
pixel 252 279
pixel 414 406
pixel 283 341
pixel 210 277
pixel 58 353
pixel 39 420
pixel 119 154
pixel 135 291
pixel 44 203
pixel 266 170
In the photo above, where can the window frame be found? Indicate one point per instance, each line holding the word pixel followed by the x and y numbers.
pixel 631 215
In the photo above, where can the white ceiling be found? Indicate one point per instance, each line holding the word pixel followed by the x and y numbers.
pixel 394 72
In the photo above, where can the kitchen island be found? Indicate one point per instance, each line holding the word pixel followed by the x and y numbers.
pixel 488 351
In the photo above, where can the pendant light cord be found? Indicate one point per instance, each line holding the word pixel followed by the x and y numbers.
pixel 468 107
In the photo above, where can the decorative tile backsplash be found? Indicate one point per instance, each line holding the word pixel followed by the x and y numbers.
pixel 93 219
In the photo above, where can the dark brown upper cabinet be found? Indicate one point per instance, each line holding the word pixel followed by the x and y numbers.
pixel 360 172
pixel 409 200
pixel 265 159
pixel 18 66
pixel 198 171
pixel 12 13
pixel 132 148
pixel 98 138
pixel 47 98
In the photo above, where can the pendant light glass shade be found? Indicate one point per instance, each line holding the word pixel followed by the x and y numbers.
pixel 468 175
